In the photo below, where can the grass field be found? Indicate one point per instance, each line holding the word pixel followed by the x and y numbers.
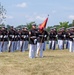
pixel 53 63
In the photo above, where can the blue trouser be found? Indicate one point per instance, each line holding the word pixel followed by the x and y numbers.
pixel 24 46
pixel 44 45
pixel 73 46
pixel 5 46
pixel 15 45
pixel 66 44
pixel 50 44
pixel 18 45
pixel 0 46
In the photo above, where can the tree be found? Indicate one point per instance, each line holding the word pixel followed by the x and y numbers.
pixel 73 23
pixel 2 13
pixel 29 25
pixel 48 28
pixel 20 26
pixel 2 25
pixel 64 24
pixel 8 27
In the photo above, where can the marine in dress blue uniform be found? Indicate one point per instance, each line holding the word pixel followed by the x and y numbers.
pixel 52 39
pixel 71 40
pixel 5 39
pixel 60 40
pixel 11 35
pixel 64 36
pixel 1 40
pixel 15 39
pixel 67 38
pixel 19 39
pixel 45 40
pixel 24 37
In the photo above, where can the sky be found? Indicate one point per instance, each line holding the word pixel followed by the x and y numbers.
pixel 26 11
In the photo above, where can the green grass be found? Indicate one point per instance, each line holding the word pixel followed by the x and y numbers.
pixel 53 63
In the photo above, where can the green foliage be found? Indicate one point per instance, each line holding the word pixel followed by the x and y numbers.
pixel 64 24
pixel 61 24
pixel 8 27
pixel 29 25
pixel 2 25
pixel 48 28
pixel 73 23
pixel 20 26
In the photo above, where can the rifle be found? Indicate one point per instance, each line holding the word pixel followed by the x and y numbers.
pixel 10 46
pixel 3 43
pixel 22 45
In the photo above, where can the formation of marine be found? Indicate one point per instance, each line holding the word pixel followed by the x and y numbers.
pixel 36 40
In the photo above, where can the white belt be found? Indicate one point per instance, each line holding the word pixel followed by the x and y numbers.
pixel 1 36
pixel 15 36
pixel 12 36
pixel 33 36
pixel 5 36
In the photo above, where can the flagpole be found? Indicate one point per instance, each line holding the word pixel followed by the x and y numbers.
pixel 41 41
pixel 48 15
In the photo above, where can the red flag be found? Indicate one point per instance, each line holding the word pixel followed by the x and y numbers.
pixel 43 25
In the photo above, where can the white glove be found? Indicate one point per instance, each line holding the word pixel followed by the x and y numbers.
pixel 45 35
pixel 73 38
pixel 1 36
pixel 27 35
pixel 5 36
pixel 24 36
pixel 35 40
pixel 56 35
pixel 64 35
pixel 12 36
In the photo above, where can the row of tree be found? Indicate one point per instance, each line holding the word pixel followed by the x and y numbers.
pixel 29 25
pixel 61 24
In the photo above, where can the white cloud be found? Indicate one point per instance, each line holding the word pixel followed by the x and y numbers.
pixel 40 18
pixel 30 18
pixel 22 5
pixel 71 16
pixel 35 17
pixel 9 17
